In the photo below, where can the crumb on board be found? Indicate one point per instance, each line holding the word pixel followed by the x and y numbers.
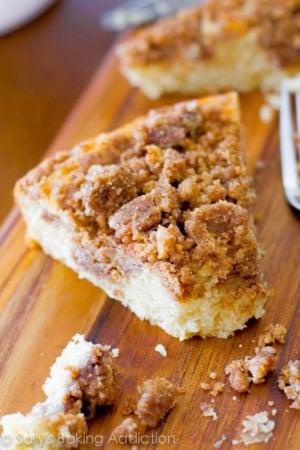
pixel 271 334
pixel 156 398
pixel 289 382
pixel 266 113
pixel 115 352
pixel 257 428
pixel 219 443
pixel 242 372
pixel 218 388
pixel 160 348
pixel 208 411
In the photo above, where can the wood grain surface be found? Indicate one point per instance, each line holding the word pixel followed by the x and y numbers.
pixel 43 304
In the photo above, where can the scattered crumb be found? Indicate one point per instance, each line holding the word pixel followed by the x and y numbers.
pixel 156 398
pixel 261 364
pixel 239 378
pixel 234 398
pixel 257 428
pixel 240 346
pixel 270 402
pixel 289 382
pixel 212 375
pixel 208 411
pixel 243 372
pixel 266 113
pixel 219 443
pixel 161 349
pixel 205 386
pixel 218 388
pixel 235 442
pixel 271 334
pixel 115 352
pixel 267 110
pixel 274 412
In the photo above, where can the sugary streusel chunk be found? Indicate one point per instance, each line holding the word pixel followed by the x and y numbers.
pixel 249 370
pixel 289 382
pixel 156 398
pixel 239 378
pixel 271 334
pixel 261 364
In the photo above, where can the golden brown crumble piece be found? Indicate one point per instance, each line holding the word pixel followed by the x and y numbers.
pixel 156 398
pixel 94 385
pixel 260 365
pixel 289 382
pixel 218 388
pixel 208 411
pixel 249 370
pixel 271 334
pixel 238 376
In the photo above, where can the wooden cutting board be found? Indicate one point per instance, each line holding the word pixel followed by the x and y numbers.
pixel 43 304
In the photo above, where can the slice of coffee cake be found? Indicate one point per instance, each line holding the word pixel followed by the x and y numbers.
pixel 157 214
pixel 228 44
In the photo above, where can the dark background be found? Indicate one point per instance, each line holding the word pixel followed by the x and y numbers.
pixel 44 68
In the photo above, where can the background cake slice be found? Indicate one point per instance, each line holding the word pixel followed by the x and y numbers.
pixel 228 44
pixel 158 214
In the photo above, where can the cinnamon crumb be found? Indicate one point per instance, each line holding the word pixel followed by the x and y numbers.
pixel 156 398
pixel 271 334
pixel 218 388
pixel 244 371
pixel 289 382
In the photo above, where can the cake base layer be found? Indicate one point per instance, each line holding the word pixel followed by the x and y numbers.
pixel 219 312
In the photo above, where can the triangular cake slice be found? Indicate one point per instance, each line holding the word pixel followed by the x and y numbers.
pixel 157 214
pixel 218 45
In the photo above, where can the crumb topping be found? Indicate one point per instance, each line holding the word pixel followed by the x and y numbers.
pixel 195 31
pixel 172 190
pixel 289 382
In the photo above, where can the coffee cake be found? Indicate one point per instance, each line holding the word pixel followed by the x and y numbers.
pixel 228 44
pixel 158 215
